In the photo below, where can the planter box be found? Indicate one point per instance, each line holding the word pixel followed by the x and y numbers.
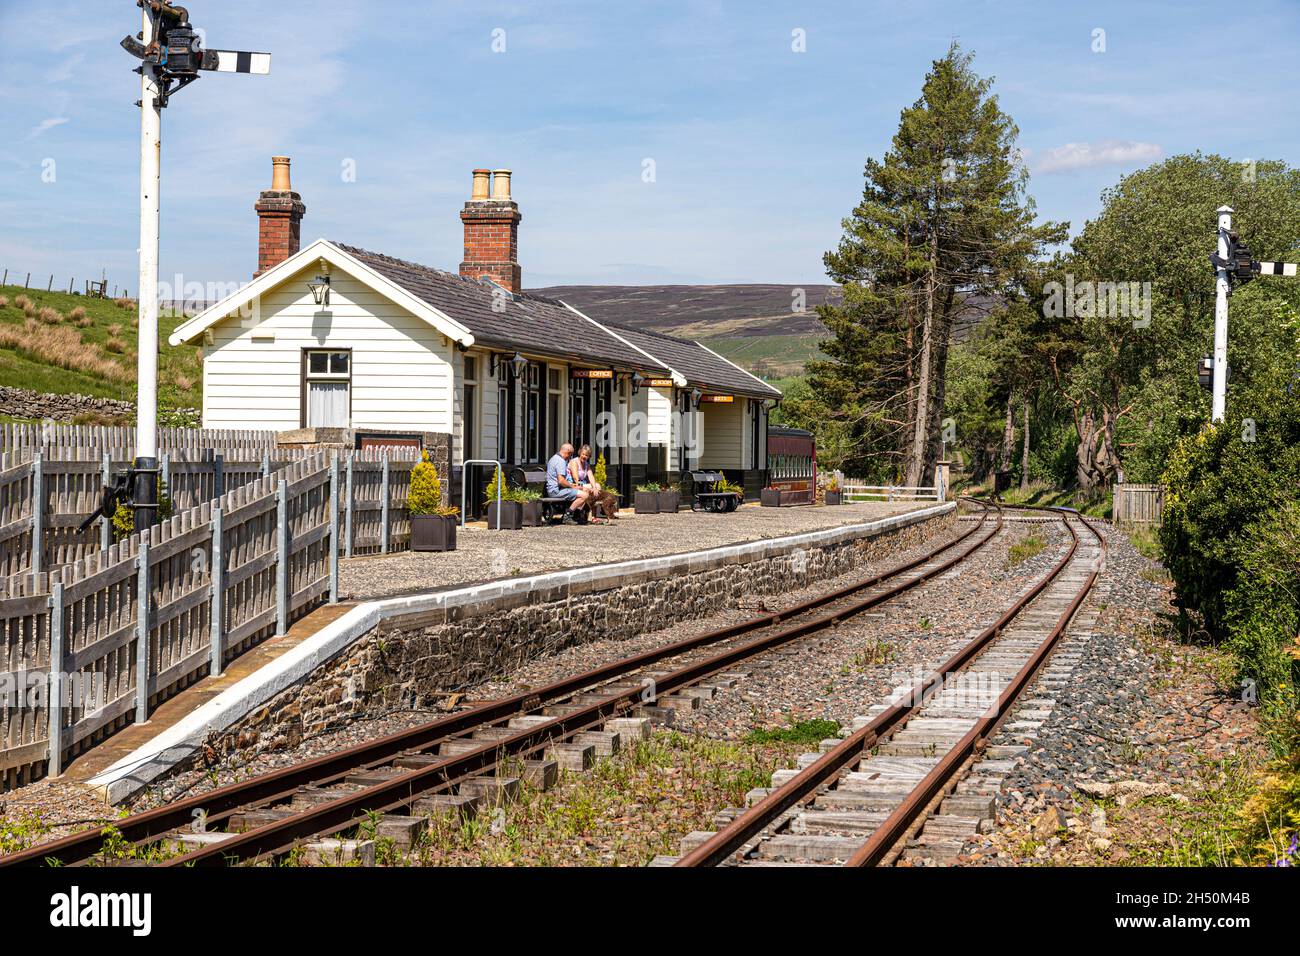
pixel 668 502
pixel 512 515
pixel 834 497
pixel 532 514
pixel 433 533
pixel 770 497
pixel 646 502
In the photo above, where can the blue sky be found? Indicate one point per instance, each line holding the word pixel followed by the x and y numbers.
pixel 757 149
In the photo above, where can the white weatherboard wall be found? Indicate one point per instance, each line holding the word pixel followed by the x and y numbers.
pixel 401 366
pixel 723 436
pixel 659 421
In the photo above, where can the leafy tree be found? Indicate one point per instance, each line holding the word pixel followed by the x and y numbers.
pixel 1131 386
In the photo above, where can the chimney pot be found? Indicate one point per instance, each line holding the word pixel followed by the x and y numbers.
pixel 280 174
pixel 279 218
pixel 501 185
pixel 492 231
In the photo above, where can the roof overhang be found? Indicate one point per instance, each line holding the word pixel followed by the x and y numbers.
pixel 763 389
pixel 321 249
pixel 678 378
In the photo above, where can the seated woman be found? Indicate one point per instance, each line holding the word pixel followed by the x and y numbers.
pixel 580 471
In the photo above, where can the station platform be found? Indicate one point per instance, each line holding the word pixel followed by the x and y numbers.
pixel 488 566
pixel 484 554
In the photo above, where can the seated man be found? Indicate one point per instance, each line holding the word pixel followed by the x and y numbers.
pixel 560 485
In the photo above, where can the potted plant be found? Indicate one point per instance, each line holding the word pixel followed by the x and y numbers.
pixel 770 497
pixel 646 500
pixel 833 494
pixel 433 524
pixel 669 499
pixel 510 507
pixel 530 500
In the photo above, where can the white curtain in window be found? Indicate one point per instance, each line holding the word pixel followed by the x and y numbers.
pixel 327 405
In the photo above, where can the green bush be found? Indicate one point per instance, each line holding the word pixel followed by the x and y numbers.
pixel 1230 536
pixel 425 496
pixel 124 516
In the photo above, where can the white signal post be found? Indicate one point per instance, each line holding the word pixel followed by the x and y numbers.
pixel 146 407
pixel 1218 404
pixel 171 56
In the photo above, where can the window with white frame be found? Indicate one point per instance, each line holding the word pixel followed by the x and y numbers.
pixel 327 388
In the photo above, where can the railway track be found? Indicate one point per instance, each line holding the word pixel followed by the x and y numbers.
pixel 462 763
pixel 898 773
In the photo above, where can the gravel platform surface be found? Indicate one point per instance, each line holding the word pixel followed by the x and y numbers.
pixel 482 555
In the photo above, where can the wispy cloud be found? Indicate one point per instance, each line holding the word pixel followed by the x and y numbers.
pixel 45 125
pixel 1109 152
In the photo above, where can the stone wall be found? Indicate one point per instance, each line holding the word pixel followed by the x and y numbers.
pixel 24 403
pixel 412 661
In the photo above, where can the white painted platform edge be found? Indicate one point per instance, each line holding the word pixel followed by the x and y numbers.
pixel 175 744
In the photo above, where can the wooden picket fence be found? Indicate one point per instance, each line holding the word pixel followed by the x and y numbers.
pixel 1137 504
pixel 51 434
pixel 47 493
pixel 95 644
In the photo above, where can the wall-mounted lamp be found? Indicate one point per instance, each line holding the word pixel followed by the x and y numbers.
pixel 320 290
pixel 637 381
pixel 696 395
pixel 519 364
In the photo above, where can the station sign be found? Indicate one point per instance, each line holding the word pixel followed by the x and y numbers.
pixel 660 383
pixel 718 399
pixel 592 373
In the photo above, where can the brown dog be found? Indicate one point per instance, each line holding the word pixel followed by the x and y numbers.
pixel 605 505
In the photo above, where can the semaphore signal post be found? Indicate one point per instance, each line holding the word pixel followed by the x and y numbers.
pixel 172 57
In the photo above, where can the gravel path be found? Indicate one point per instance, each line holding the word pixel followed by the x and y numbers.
pixel 481 554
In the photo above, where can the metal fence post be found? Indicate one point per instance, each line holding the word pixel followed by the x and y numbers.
pixel 142 633
pixel 106 525
pixel 347 514
pixel 38 513
pixel 282 557
pixel 218 475
pixel 383 508
pixel 55 708
pixel 334 529
pixel 218 599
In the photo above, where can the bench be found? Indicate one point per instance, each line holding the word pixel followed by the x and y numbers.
pixel 706 499
pixel 552 508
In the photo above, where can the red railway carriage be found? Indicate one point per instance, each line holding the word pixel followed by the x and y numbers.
pixel 792 463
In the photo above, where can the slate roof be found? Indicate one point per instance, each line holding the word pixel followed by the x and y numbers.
pixel 700 366
pixel 530 323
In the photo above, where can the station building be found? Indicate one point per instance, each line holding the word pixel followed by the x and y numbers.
pixel 332 336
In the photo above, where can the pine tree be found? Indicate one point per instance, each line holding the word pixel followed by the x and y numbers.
pixel 944 216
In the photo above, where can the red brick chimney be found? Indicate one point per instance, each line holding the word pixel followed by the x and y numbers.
pixel 279 218
pixel 492 231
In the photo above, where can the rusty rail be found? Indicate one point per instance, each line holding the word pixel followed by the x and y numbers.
pixel 719 847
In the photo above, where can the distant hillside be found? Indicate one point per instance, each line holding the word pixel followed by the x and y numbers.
pixel 56 343
pixel 753 325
